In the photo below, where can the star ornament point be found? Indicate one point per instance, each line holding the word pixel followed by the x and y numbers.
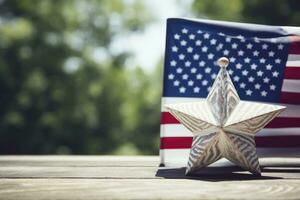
pixel 223 126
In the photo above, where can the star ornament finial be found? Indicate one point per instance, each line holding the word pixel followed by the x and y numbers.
pixel 223 125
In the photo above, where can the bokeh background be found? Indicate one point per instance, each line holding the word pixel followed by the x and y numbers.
pixel 85 76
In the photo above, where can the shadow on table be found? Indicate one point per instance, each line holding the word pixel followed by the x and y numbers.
pixel 283 169
pixel 223 173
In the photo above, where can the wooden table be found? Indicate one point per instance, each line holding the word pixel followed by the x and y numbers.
pixel 138 177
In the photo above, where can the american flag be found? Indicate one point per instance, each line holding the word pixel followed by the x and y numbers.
pixel 264 66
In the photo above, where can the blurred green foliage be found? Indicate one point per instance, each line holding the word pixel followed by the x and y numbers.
pixel 56 97
pixel 272 12
pixel 63 86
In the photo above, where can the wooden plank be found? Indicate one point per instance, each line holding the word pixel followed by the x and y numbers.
pixel 121 167
pixel 111 169
pixel 122 177
pixel 219 172
pixel 120 161
pixel 31 189
pixel 79 161
pixel 77 172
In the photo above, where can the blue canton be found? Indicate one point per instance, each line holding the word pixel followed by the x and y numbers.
pixel 257 59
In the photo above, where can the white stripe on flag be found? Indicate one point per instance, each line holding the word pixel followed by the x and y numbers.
pixel 179 157
pixel 291 110
pixel 291 29
pixel 174 130
pixel 178 130
pixel 174 157
pixel 293 60
pixel 291 86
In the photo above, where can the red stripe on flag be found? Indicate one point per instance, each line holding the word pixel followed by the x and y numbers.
pixel 279 122
pixel 176 142
pixel 284 122
pixel 269 141
pixel 290 98
pixel 295 44
pixel 167 118
pixel 292 73
pixel 278 141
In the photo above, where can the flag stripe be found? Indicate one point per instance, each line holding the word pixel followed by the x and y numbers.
pixel 176 142
pixel 295 48
pixel 293 60
pixel 167 118
pixel 268 141
pixel 278 122
pixel 292 73
pixel 291 86
pixel 295 45
pixel 178 130
pixel 290 98
pixel 291 30
pixel 293 63
pixel 293 57
pixel 179 157
pixel 291 110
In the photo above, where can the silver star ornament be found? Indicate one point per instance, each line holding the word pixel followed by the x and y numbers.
pixel 223 125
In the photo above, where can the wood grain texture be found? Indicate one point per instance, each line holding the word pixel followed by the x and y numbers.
pixel 121 177
pixel 78 161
